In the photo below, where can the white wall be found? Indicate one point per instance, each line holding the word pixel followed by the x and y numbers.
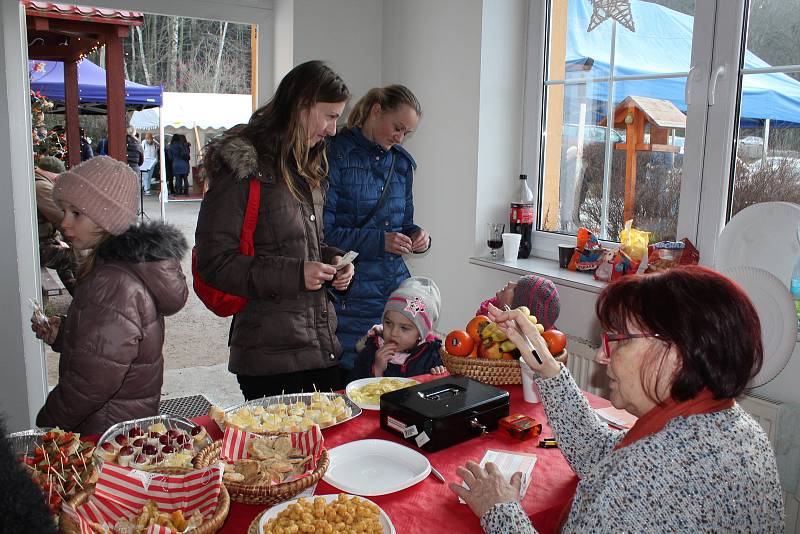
pixel 22 382
pixel 345 33
pixel 463 60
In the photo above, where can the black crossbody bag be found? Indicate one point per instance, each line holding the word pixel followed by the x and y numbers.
pixel 382 198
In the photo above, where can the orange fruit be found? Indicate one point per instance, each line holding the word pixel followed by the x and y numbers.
pixel 556 341
pixel 475 326
pixel 458 343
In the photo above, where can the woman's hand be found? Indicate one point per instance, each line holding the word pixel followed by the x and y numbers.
pixel 382 357
pixel 344 275
pixel 439 369
pixel 487 487
pixel 512 322
pixel 316 274
pixel 397 243
pixel 420 241
pixel 48 332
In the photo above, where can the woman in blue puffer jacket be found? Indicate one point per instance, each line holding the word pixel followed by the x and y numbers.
pixel 361 159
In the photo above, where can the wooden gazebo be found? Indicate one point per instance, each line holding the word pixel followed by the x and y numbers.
pixel 641 115
pixel 63 32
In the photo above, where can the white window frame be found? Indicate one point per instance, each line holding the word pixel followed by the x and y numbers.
pixel 710 130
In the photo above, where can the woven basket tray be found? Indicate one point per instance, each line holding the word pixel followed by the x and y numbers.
pixel 209 526
pixel 494 372
pixel 270 495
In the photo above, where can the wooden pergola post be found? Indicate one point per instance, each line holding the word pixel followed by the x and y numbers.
pixel 115 95
pixel 71 101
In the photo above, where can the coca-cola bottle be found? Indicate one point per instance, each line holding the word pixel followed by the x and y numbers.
pixel 522 211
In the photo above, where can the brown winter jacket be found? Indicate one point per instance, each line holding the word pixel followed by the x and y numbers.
pixel 111 365
pixel 284 328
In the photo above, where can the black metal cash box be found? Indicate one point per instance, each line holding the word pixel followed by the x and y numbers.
pixel 443 412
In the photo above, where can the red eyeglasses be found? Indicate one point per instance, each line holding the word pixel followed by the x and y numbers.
pixel 613 336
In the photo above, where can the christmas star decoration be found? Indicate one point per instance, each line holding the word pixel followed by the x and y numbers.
pixel 415 306
pixel 619 10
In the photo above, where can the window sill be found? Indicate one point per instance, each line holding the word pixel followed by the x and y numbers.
pixel 543 267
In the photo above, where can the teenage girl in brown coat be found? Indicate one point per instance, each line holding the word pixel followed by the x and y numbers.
pixel 284 340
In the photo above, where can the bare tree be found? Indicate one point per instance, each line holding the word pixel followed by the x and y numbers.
pixel 224 29
pixel 141 55
pixel 172 53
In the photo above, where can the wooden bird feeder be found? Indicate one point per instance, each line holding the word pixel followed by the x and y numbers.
pixel 642 115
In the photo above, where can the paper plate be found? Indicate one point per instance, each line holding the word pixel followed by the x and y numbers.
pixel 386 523
pixel 763 235
pixel 777 315
pixel 375 467
pixel 366 381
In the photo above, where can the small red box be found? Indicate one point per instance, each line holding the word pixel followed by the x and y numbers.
pixel 520 426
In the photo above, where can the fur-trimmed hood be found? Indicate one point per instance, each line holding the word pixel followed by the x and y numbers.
pixel 232 156
pixel 153 252
pixel 150 241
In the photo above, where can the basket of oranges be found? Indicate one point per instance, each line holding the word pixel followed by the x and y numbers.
pixel 484 353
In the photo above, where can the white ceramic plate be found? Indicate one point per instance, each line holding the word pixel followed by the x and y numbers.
pixel 386 523
pixel 365 381
pixel 763 235
pixel 776 312
pixel 375 467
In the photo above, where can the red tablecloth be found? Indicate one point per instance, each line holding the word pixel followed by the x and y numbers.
pixel 430 506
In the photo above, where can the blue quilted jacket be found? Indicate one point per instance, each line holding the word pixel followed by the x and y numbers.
pixel 358 172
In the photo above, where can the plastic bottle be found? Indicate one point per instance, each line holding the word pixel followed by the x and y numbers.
pixel 794 287
pixel 522 216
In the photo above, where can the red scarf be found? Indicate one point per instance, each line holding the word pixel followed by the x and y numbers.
pixel 656 419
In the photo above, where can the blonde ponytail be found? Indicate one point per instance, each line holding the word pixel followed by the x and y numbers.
pixel 390 97
pixel 360 112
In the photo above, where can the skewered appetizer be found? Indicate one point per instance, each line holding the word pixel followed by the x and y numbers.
pixel 323 410
pixel 153 447
pixel 61 465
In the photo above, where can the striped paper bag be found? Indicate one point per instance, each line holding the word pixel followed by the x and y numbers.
pixel 310 443
pixel 121 492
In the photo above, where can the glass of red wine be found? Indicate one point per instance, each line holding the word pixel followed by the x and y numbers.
pixel 494 237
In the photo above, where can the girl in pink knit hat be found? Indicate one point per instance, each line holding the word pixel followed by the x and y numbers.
pixel 539 294
pixel 129 277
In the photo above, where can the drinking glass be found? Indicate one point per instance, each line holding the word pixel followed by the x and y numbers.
pixel 494 237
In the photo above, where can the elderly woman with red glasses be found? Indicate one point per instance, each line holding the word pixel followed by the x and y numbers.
pixel 679 346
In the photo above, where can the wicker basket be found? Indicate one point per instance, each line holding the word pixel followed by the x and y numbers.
pixel 209 526
pixel 261 494
pixel 494 372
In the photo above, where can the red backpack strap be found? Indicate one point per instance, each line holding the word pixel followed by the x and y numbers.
pixel 246 246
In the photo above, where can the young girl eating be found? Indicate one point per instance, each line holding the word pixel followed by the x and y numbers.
pixel 404 344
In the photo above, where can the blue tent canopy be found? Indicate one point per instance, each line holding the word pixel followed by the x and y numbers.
pixel 49 81
pixel 662 44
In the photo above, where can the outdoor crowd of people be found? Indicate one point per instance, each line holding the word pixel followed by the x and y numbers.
pixel 312 321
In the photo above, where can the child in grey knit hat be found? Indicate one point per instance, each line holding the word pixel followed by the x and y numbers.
pixel 404 343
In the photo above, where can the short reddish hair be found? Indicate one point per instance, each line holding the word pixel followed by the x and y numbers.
pixel 707 318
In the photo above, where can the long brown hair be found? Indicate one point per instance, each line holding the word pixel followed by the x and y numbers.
pixel 277 131
pixel 389 98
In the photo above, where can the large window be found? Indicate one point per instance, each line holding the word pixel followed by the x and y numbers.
pixel 597 172
pixel 768 149
pixel 617 133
